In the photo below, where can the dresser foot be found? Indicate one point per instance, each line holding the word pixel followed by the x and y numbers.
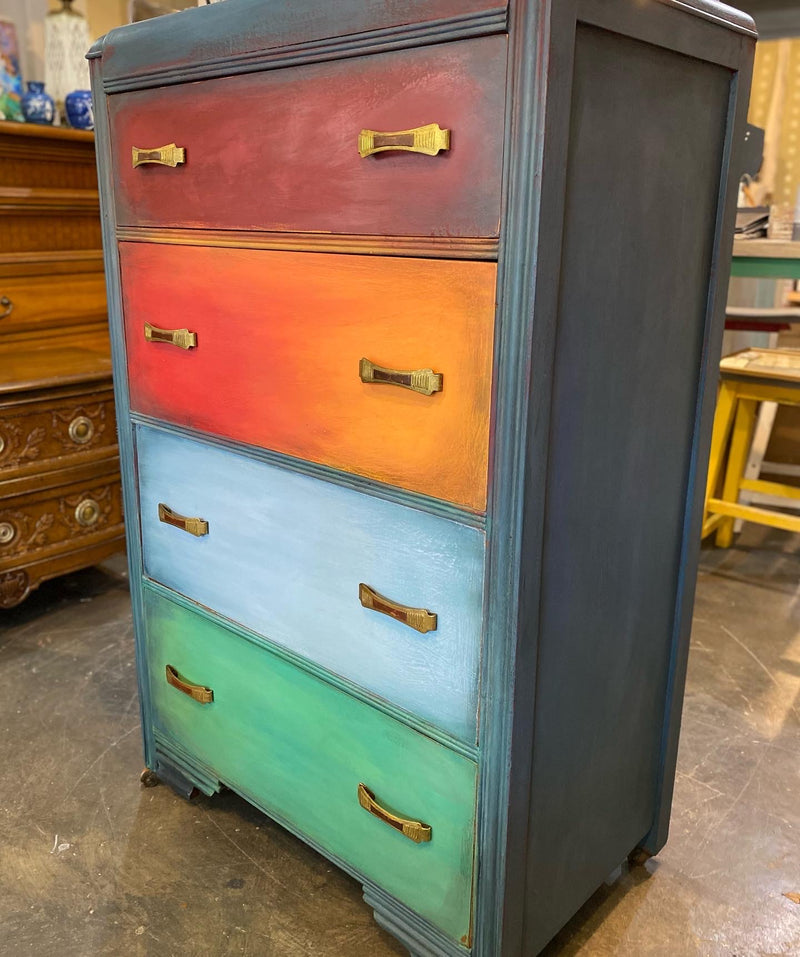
pixel 638 857
pixel 176 779
pixel 420 938
pixel 182 771
pixel 149 779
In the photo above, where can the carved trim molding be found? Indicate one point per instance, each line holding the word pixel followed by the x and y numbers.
pixel 417 246
pixel 296 54
pixel 53 522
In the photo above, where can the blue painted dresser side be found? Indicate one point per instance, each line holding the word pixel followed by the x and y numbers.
pixel 127 450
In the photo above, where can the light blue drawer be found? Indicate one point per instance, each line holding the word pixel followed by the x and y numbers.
pixel 285 555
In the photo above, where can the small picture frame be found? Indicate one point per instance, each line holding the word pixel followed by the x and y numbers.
pixel 10 74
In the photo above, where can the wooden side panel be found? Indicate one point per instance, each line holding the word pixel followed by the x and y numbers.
pixel 279 150
pixel 301 749
pixel 279 340
pixel 631 317
pixel 285 555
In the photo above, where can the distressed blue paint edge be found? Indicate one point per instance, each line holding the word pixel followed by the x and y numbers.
pixel 127 449
pixel 368 42
pixel 718 14
pixel 349 480
pixel 344 685
pixel 719 278
pixel 514 317
pixel 203 776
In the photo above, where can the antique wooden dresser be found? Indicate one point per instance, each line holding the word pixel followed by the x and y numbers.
pixel 60 497
pixel 415 314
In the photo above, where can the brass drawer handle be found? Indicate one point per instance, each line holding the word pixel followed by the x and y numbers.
pixel 424 381
pixel 420 619
pixel 181 338
pixel 415 831
pixel 7 306
pixel 198 692
pixel 170 155
pixel 194 526
pixel 424 139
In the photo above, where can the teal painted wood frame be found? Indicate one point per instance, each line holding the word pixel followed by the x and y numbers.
pixel 543 40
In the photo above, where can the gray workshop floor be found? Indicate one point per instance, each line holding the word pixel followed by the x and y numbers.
pixel 92 865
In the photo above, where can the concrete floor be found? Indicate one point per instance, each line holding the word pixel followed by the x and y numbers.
pixel 93 864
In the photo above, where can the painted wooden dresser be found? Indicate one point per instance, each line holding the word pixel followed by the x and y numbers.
pixel 60 495
pixel 415 319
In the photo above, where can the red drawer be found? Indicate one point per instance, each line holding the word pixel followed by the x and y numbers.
pixel 279 150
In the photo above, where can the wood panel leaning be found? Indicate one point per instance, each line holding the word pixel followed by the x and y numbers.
pixel 60 495
pixel 415 313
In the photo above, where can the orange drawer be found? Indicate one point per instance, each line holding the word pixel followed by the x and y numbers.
pixel 279 150
pixel 277 363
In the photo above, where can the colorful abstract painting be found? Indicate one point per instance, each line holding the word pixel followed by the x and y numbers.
pixel 10 74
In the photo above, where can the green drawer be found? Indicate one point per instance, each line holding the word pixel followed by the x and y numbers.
pixel 300 748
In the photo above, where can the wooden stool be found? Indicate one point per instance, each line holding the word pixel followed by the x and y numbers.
pixel 747 378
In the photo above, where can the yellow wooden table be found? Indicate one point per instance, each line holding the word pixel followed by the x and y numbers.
pixel 748 378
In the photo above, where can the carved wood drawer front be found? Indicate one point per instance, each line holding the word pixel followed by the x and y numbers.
pixel 41 433
pixel 40 525
pixel 276 358
pixel 37 303
pixel 344 147
pixel 396 805
pixel 286 555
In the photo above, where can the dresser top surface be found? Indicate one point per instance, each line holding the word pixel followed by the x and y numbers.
pixel 241 28
pixel 45 133
pixel 238 30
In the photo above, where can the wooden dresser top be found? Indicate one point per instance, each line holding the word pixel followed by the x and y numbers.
pixel 34 131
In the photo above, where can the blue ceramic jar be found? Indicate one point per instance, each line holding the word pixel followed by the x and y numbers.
pixel 79 109
pixel 38 106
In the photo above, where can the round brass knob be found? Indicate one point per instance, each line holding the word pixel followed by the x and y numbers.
pixel 87 512
pixel 81 429
pixel 8 533
pixel 2 444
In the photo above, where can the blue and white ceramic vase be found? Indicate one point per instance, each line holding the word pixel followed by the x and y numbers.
pixel 79 109
pixel 38 106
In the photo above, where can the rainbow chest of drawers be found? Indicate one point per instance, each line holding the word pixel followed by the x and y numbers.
pixel 413 322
